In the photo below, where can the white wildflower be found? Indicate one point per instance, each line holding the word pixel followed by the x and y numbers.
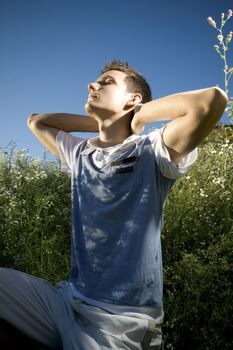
pixel 211 22
pixel 202 193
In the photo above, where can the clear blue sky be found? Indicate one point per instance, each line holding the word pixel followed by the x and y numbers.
pixel 51 49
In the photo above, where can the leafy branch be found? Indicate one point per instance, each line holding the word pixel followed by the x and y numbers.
pixel 222 49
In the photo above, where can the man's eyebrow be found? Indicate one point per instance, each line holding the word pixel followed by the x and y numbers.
pixel 106 77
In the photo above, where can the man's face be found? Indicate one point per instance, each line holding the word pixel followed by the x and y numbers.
pixel 108 95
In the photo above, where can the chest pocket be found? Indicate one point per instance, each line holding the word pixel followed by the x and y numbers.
pixel 125 174
pixel 125 165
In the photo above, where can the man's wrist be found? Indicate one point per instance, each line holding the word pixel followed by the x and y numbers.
pixel 92 124
pixel 137 125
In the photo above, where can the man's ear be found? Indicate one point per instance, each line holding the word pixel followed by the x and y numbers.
pixel 136 98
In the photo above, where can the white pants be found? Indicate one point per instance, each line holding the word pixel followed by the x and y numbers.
pixel 51 316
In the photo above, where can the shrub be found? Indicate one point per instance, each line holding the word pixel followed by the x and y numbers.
pixel 198 251
pixel 35 215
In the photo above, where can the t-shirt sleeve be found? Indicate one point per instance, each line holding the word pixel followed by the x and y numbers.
pixel 66 145
pixel 162 156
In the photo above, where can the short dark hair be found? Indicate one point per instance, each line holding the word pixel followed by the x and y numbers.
pixel 135 82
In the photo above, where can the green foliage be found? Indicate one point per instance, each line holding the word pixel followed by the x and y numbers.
pixel 197 237
pixel 34 216
pixel 198 251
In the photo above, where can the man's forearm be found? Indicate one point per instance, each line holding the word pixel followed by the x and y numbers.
pixel 65 121
pixel 174 106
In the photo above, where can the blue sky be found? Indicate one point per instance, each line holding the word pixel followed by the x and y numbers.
pixel 51 49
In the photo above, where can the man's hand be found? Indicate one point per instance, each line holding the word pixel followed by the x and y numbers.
pixel 136 126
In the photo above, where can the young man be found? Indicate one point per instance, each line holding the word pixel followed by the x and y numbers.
pixel 120 179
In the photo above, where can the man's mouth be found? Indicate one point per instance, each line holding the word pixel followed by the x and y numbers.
pixel 93 95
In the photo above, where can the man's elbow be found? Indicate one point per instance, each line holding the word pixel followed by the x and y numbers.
pixel 220 96
pixel 220 99
pixel 31 121
pixel 217 103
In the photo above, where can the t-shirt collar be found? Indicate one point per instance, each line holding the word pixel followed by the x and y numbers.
pixel 131 139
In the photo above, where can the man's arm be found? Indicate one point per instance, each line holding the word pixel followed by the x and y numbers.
pixel 46 126
pixel 193 113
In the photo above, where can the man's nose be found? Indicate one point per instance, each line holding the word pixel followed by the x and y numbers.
pixel 93 86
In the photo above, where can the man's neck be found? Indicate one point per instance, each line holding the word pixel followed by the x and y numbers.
pixel 114 132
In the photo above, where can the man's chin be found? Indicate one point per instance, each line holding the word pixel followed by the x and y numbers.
pixel 88 108
pixel 92 110
pixel 96 112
